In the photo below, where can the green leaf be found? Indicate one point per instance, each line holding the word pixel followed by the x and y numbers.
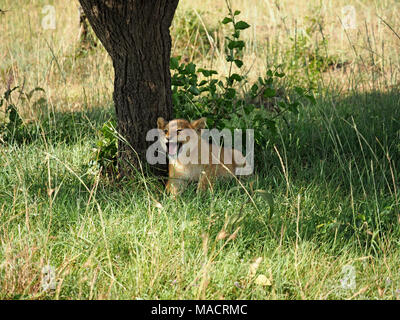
pixel 241 25
pixel 175 99
pixel 254 89
pixel 226 20
pixel 236 44
pixel 40 102
pixel 194 90
pixel 174 63
pixel 248 108
pixel 177 82
pixel 236 77
pixel 269 198
pixel 282 104
pixel 239 63
pixel 33 90
pixel 271 126
pixel 293 107
pixel 207 73
pixel 236 34
pixel 279 75
pixel 230 93
pixel 193 80
pixel 299 91
pixel 191 68
pixel 269 81
pixel 13 115
pixel 236 13
pixel 8 92
pixel 269 93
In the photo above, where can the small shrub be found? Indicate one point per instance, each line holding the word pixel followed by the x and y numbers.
pixel 12 128
pixel 104 156
pixel 232 102
pixel 306 61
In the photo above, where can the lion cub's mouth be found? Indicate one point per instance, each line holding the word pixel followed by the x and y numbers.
pixel 174 148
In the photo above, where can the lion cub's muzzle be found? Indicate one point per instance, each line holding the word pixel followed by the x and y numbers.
pixel 173 147
pixel 175 142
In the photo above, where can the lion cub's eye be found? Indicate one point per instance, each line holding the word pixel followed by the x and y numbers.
pixel 178 131
pixel 165 131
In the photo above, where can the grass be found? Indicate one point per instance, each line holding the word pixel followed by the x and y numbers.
pixel 333 171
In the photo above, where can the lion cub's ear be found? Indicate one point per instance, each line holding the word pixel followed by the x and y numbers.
pixel 161 123
pixel 199 124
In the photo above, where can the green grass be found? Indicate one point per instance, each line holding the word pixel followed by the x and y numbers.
pixel 333 172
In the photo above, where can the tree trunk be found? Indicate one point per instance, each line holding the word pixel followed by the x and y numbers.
pixel 136 35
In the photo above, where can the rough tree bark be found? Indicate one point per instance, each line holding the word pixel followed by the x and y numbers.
pixel 136 35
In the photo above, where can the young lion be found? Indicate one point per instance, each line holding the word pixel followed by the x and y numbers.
pixel 193 158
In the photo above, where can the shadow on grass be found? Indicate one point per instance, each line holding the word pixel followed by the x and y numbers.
pixel 342 157
pixel 61 127
pixel 333 173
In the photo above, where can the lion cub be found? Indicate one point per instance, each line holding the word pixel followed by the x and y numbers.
pixel 193 158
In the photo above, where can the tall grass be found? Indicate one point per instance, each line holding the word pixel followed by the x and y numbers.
pixel 333 170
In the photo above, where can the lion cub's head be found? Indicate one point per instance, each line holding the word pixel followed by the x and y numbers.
pixel 177 132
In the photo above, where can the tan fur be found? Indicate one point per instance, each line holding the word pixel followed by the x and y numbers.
pixel 205 174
